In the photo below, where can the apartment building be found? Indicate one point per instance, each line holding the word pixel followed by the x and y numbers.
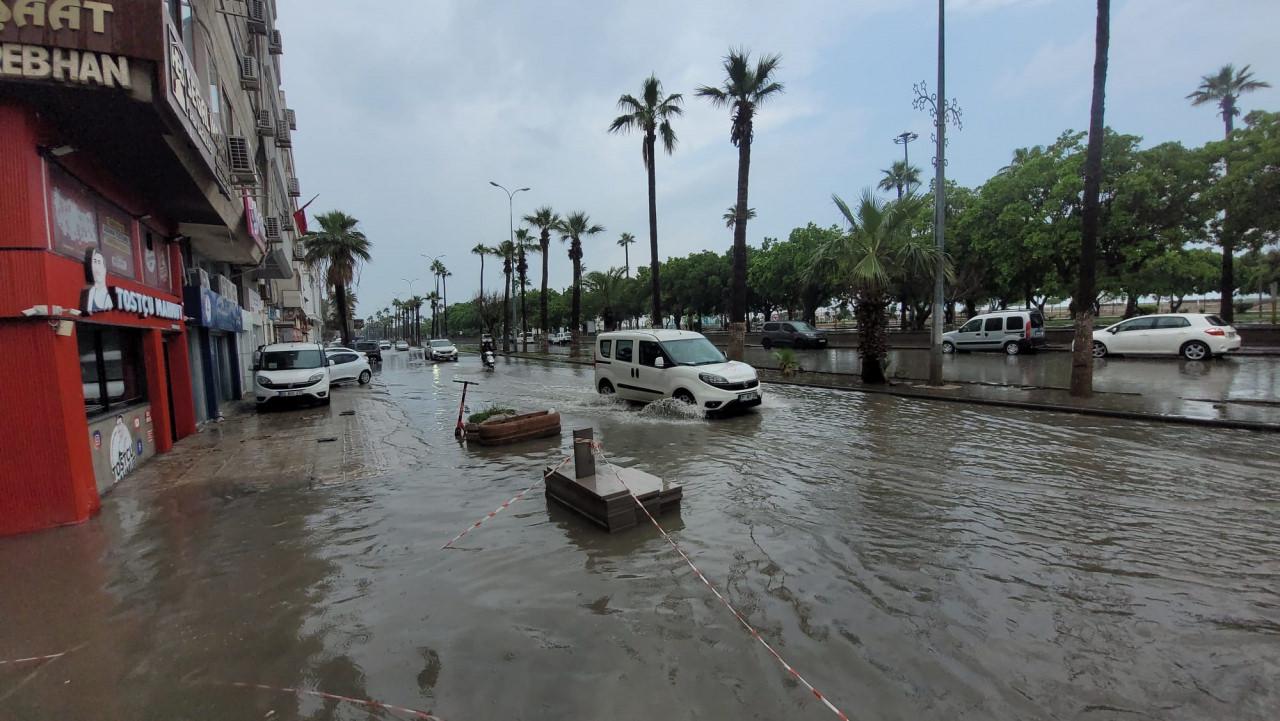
pixel 148 235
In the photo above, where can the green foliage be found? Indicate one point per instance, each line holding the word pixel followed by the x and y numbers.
pixel 490 412
pixel 788 365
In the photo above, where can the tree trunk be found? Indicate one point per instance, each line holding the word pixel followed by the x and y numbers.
pixel 873 340
pixel 344 313
pixel 655 285
pixel 506 307
pixel 444 303
pixel 738 298
pixel 1130 305
pixel 575 312
pixel 524 316
pixel 1082 355
pixel 545 241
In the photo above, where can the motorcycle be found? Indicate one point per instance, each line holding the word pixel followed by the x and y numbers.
pixel 487 358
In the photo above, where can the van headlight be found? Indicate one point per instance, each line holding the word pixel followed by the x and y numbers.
pixel 263 381
pixel 315 378
pixel 712 379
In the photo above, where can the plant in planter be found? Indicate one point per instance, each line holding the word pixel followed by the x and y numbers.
pixel 788 365
pixel 490 412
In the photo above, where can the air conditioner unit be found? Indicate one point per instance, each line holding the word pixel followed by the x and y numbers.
pixel 299 251
pixel 224 286
pixel 256 14
pixel 295 190
pixel 271 224
pixel 198 277
pixel 266 126
pixel 240 160
pixel 292 118
pixel 275 44
pixel 249 79
pixel 286 223
pixel 282 135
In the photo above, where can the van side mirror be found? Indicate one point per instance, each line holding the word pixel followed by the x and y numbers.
pixel 659 362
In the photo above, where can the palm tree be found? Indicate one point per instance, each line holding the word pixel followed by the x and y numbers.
pixel 900 176
pixel 1224 88
pixel 651 114
pixel 524 242
pixel 507 250
pixel 625 242
pixel 572 228
pixel 745 89
pixel 338 247
pixel 545 220
pixel 731 216
pixel 877 254
pixel 610 285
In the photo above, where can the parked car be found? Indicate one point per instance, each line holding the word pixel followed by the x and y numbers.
pixel 402 345
pixel 442 349
pixel 348 365
pixel 1012 331
pixel 371 349
pixel 1194 336
pixel 384 345
pixel 562 338
pixel 794 333
pixel 285 372
pixel 645 365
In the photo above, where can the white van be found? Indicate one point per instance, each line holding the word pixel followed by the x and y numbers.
pixel 1011 331
pixel 646 365
pixel 284 372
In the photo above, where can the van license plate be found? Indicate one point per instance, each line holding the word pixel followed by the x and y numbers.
pixel 749 396
pixel 287 394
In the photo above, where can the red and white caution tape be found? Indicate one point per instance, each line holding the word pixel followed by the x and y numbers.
pixel 367 703
pixel 504 506
pixel 33 659
pixel 741 619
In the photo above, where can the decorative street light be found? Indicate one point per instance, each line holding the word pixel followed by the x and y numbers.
pixel 511 236
pixel 904 138
pixel 942 111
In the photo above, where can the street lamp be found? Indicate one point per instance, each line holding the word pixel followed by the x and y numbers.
pixel 942 112
pixel 511 236
pixel 904 139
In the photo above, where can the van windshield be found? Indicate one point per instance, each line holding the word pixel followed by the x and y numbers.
pixel 286 360
pixel 803 327
pixel 693 352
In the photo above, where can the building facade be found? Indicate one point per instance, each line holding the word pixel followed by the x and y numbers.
pixel 148 235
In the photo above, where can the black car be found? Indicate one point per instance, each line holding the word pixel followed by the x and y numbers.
pixel 371 350
pixel 794 333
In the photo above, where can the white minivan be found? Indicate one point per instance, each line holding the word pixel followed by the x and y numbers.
pixel 646 365
pixel 284 372
pixel 1011 331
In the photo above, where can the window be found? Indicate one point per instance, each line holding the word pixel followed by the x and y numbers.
pixel 340 358
pixel 993 324
pixel 1170 321
pixel 803 327
pixel 650 352
pixel 1037 320
pixel 284 360
pixel 789 328
pixel 1135 324
pixel 693 352
pixel 606 347
pixel 972 326
pixel 111 368
pixel 624 350
pixel 1215 320
pixel 1013 322
pixel 770 326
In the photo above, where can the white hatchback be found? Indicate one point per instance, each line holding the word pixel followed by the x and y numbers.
pixel 646 365
pixel 1194 336
pixel 348 365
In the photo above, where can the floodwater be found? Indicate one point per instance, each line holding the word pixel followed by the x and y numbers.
pixel 912 560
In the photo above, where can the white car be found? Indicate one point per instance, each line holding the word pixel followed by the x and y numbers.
pixel 442 349
pixel 645 365
pixel 562 338
pixel 284 372
pixel 1194 336
pixel 384 345
pixel 402 345
pixel 348 365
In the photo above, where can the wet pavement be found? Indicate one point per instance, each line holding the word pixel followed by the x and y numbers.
pixel 914 560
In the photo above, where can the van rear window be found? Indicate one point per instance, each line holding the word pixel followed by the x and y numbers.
pixel 1037 320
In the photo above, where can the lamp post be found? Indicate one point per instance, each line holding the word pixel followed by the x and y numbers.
pixel 942 111
pixel 411 294
pixel 904 139
pixel 511 236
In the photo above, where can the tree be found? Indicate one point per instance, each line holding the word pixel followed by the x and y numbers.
pixel 1247 195
pixel 545 220
pixel 745 88
pixel 507 250
pixel 572 228
pixel 878 251
pixel 609 288
pixel 1082 302
pixel 651 114
pixel 625 241
pixel 730 216
pixel 900 176
pixel 1225 88
pixel 338 248
pixel 524 242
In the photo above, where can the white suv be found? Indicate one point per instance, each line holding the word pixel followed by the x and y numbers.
pixel 442 349
pixel 645 365
pixel 285 372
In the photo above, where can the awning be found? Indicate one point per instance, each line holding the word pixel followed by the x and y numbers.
pixel 275 266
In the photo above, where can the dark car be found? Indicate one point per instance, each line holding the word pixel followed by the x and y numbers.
pixel 371 350
pixel 794 333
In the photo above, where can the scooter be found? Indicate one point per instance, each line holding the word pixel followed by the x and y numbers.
pixel 487 358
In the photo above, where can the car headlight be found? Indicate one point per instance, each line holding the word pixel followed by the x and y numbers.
pixel 712 379
pixel 263 381
pixel 315 378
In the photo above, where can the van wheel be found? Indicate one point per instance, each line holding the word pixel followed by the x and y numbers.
pixel 605 388
pixel 1012 348
pixel 948 347
pixel 684 397
pixel 767 343
pixel 1195 350
pixel 364 377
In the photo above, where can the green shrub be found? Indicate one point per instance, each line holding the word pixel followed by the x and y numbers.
pixel 490 412
pixel 788 365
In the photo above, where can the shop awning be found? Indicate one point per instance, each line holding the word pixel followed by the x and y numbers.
pixel 275 266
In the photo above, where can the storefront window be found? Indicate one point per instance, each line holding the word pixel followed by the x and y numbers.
pixel 111 368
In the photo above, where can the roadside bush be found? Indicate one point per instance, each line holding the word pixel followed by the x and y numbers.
pixel 1243 306
pixel 787 363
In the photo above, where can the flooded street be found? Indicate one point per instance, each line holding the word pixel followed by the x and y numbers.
pixel 912 560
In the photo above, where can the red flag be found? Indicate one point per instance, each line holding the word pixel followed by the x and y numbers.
pixel 300 216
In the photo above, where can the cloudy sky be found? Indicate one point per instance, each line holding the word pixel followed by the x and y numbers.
pixel 408 108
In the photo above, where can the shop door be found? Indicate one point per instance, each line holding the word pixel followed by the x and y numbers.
pixel 222 359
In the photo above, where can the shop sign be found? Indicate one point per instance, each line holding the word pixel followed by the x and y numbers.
pixel 99 298
pixel 208 309
pixel 187 99
pixel 253 220
pixel 32 19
